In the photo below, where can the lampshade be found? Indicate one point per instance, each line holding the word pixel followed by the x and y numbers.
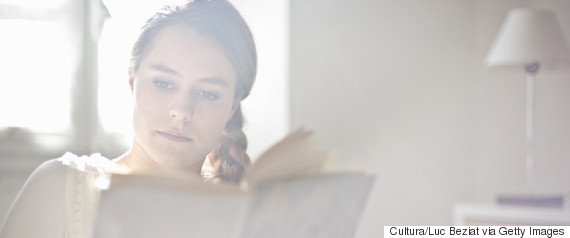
pixel 529 35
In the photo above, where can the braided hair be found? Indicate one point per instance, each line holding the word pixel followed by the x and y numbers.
pixel 219 20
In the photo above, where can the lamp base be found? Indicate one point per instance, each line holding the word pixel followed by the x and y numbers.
pixel 554 201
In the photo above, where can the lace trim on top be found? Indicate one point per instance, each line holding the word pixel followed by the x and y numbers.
pixel 103 166
pixel 86 177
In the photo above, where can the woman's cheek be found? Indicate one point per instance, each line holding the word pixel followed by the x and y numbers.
pixel 219 112
pixel 148 108
pixel 211 120
pixel 150 100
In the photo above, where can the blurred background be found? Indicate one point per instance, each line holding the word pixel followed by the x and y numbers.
pixel 398 86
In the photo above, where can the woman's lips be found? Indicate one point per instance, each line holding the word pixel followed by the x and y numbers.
pixel 174 136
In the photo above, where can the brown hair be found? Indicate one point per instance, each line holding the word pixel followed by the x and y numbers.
pixel 219 20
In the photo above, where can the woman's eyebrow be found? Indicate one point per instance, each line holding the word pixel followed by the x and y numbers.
pixel 217 81
pixel 164 68
pixel 210 80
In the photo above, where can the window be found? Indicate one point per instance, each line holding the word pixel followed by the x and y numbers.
pixel 47 77
pixel 35 75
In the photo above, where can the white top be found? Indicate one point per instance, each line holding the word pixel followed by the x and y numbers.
pixel 60 198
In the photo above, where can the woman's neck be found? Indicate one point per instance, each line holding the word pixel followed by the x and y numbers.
pixel 138 161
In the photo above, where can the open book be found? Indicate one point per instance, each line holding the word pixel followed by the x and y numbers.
pixel 290 191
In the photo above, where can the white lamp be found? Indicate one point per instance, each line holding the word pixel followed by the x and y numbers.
pixel 529 38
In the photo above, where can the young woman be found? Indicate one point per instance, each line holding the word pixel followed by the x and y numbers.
pixel 190 68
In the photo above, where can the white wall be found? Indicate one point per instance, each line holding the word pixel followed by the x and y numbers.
pixel 400 88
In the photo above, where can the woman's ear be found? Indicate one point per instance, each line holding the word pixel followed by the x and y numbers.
pixel 131 78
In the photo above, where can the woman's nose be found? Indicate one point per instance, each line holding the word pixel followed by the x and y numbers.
pixel 179 115
pixel 181 110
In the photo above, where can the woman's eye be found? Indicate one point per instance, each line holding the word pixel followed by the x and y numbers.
pixel 208 95
pixel 162 84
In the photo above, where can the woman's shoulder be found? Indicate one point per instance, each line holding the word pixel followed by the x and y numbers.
pixel 54 170
pixel 94 163
pixel 53 173
pixel 40 198
pixel 51 176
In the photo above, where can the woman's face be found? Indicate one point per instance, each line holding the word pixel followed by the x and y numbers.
pixel 184 95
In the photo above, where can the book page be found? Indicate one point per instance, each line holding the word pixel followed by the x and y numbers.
pixel 297 153
pixel 140 206
pixel 321 205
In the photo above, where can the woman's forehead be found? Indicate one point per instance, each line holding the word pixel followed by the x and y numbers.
pixel 189 53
